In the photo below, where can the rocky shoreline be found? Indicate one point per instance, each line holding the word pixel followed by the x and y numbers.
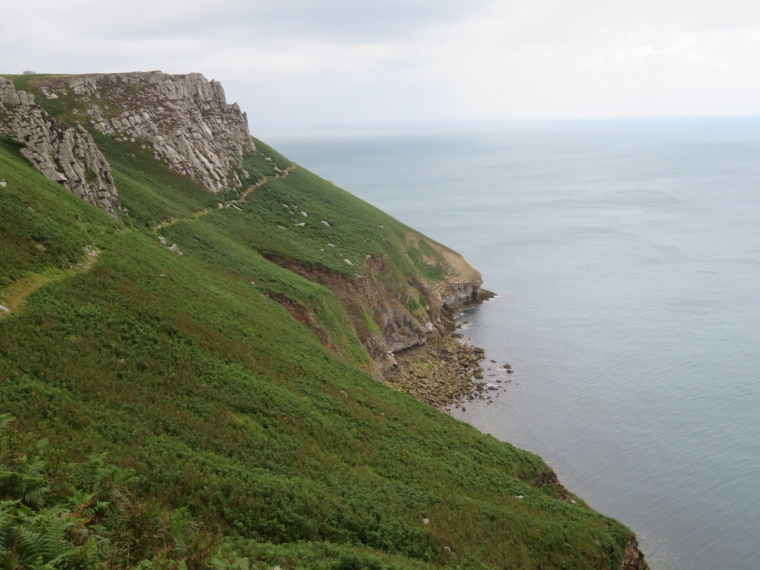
pixel 445 372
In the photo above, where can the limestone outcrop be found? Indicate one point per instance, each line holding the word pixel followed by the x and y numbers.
pixel 64 154
pixel 184 118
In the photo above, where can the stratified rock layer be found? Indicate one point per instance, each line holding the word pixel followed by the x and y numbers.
pixel 64 154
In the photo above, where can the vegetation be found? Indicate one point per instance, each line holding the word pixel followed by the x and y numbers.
pixel 210 409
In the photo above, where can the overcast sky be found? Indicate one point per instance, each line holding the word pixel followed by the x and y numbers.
pixel 299 62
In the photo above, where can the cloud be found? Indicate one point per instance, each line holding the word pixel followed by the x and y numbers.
pixel 341 60
pixel 595 59
pixel 334 20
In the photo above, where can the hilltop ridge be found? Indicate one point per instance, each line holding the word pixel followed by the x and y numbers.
pixel 197 331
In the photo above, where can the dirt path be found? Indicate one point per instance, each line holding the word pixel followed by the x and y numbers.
pixel 229 203
pixel 16 294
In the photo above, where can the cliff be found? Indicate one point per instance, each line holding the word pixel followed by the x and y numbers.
pixel 184 118
pixel 64 154
pixel 199 365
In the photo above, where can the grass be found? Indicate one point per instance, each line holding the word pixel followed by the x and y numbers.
pixel 42 225
pixel 233 389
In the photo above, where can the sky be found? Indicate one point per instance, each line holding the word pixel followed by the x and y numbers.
pixel 344 62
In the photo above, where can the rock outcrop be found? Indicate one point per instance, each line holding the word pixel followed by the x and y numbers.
pixel 634 558
pixel 374 296
pixel 64 154
pixel 453 292
pixel 184 118
pixel 462 283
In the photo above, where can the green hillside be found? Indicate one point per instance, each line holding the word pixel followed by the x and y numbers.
pixel 214 408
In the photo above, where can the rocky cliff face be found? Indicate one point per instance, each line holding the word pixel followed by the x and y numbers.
pixel 184 118
pixel 64 154
pixel 397 327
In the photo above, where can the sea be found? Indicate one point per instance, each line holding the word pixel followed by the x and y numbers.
pixel 626 259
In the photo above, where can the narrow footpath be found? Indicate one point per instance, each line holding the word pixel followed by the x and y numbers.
pixel 228 204
pixel 12 297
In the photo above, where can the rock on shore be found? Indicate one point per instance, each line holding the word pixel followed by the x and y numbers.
pixel 444 372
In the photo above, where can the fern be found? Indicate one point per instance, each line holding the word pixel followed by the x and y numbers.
pixel 29 544
pixel 26 481
pixel 55 546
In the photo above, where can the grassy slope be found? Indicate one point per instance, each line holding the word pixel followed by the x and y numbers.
pixel 222 401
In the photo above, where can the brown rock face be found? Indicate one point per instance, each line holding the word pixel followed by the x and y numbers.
pixel 64 154
pixel 634 558
pixel 371 296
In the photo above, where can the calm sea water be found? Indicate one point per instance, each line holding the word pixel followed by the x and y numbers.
pixel 626 255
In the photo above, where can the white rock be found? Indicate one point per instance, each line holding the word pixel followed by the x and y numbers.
pixel 184 118
pixel 61 153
